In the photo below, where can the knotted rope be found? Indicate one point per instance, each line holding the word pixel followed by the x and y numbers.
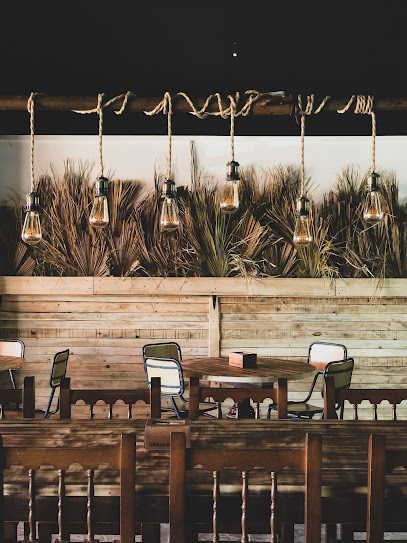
pixel 30 109
pixel 364 106
pixel 303 112
pixel 165 106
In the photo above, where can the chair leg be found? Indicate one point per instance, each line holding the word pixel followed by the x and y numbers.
pixel 342 410
pixel 150 533
pixel 12 378
pixel 51 397
pixel 176 410
pixel 330 533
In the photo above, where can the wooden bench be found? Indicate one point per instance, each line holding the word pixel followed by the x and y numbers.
pixel 198 394
pixel 18 396
pixel 69 397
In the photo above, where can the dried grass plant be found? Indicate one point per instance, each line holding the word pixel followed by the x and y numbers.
pixel 255 241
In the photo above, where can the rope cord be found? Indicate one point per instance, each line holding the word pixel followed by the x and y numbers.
pixel 232 126
pixel 303 112
pixel 165 106
pixel 364 106
pixel 100 112
pixel 30 109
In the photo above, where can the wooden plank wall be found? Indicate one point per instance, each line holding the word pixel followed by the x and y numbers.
pixel 105 322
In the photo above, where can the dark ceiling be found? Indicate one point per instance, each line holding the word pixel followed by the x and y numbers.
pixel 87 47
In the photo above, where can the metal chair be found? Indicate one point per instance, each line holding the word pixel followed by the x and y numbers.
pixel 164 360
pixel 12 347
pixel 320 353
pixel 58 372
pixel 341 372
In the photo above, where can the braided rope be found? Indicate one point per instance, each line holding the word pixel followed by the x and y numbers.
pixel 30 109
pixel 303 112
pixel 232 126
pixel 165 106
pixel 99 110
pixel 364 106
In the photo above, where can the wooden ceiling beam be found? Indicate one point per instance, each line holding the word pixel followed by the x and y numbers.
pixel 266 105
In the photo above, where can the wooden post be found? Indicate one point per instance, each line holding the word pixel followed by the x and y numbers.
pixel 65 398
pixel 28 398
pixel 127 487
pixel 214 326
pixel 313 478
pixel 282 398
pixel 194 398
pixel 375 488
pixel 329 398
pixel 177 487
pixel 155 398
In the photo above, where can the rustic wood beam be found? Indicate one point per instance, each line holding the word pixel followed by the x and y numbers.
pixel 266 105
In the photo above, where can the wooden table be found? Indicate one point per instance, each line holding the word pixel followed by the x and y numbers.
pixel 11 362
pixel 267 372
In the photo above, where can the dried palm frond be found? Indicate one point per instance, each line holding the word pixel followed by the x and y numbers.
pixel 15 257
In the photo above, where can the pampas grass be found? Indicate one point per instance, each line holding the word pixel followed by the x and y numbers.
pixel 256 241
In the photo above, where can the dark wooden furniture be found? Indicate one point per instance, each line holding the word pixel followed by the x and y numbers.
pixel 358 395
pixel 69 397
pixel 199 393
pixel 11 363
pixel 18 396
pixel 120 457
pixel 267 372
pixel 215 459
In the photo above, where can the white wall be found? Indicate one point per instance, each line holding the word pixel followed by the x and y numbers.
pixel 135 157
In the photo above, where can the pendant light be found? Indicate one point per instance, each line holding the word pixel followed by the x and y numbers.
pixel 230 194
pixel 169 217
pixel 372 210
pixel 31 232
pixel 302 234
pixel 99 216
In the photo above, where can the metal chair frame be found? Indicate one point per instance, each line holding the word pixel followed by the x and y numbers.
pixel 175 409
pixel 311 413
pixel 54 386
pixel 6 340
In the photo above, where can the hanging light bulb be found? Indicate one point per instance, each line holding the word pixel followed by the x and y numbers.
pixel 302 234
pixel 31 232
pixel 169 219
pixel 99 216
pixel 372 211
pixel 230 197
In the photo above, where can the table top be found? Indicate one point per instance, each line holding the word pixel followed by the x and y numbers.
pixel 268 370
pixel 11 362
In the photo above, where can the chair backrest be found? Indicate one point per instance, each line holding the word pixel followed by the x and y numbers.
pixel 322 352
pixel 168 349
pixel 340 372
pixel 121 457
pixel 169 370
pixel 307 460
pixel 357 395
pixel 26 396
pixel 58 368
pixel 199 394
pixel 12 347
pixel 90 397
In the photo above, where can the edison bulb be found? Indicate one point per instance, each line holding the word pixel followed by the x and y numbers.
pixel 230 196
pixel 169 219
pixel 169 215
pixel 302 232
pixel 31 233
pixel 372 211
pixel 99 216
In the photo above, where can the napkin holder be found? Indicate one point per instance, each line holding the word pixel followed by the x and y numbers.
pixel 157 433
pixel 243 360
